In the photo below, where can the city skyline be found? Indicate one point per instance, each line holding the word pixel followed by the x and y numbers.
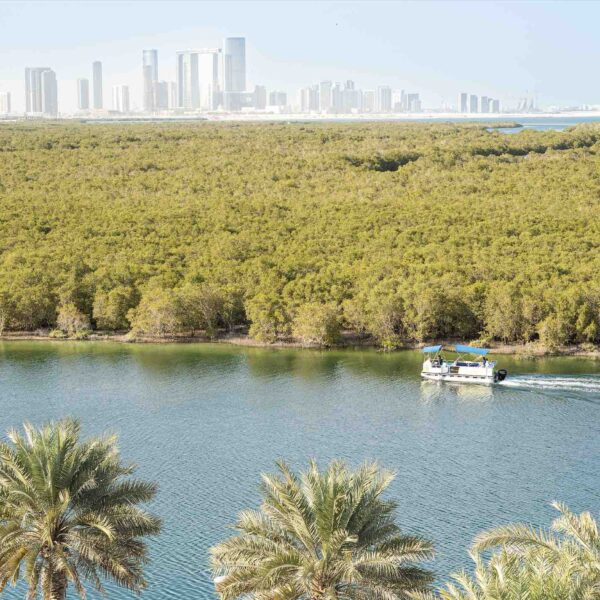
pixel 214 79
pixel 491 50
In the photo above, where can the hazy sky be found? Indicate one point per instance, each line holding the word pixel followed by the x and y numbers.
pixel 501 49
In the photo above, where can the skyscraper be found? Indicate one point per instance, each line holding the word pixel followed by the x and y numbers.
pixel 83 94
pixel 473 103
pixel 325 96
pixel 172 94
pixel 150 77
pixel 120 98
pixel 188 86
pixel 368 104
pixel 384 99
pixel 277 99
pixel 161 95
pixel 260 97
pixel 351 97
pixel 485 104
pixel 97 83
pixel 309 99
pixel 4 103
pixel 412 103
pixel 463 103
pixel 495 106
pixel 234 64
pixel 337 100
pixel 41 91
pixel 209 73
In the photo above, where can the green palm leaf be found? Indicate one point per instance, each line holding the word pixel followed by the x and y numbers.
pixel 321 535
pixel 69 513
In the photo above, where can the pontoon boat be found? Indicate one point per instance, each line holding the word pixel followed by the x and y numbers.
pixel 475 368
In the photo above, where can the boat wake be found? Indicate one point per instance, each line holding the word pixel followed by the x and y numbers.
pixel 576 383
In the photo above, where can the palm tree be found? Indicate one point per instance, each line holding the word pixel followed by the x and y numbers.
pixel 321 535
pixel 531 564
pixel 69 514
pixel 573 541
pixel 507 576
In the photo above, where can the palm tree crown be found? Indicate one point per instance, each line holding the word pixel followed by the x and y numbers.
pixel 531 564
pixel 68 513
pixel 322 535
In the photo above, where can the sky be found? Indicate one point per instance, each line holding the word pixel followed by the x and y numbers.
pixel 506 50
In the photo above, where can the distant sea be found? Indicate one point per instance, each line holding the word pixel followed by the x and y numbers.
pixel 539 123
pixel 542 124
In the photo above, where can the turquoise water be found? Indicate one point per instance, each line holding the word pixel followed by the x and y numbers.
pixel 205 420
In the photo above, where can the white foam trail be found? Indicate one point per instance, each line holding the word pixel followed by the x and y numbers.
pixel 554 382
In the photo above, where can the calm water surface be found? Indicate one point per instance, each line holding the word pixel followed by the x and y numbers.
pixel 205 420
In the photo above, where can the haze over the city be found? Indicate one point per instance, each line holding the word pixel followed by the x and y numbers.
pixel 505 50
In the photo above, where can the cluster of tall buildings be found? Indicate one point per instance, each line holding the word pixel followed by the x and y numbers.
pixel 471 103
pixel 206 79
pixel 85 101
pixel 335 98
pixel 214 79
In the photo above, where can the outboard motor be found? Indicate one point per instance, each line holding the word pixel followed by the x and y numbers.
pixel 501 374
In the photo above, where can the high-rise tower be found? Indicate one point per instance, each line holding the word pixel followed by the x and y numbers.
pixel 83 94
pixel 97 83
pixel 234 64
pixel 150 78
pixel 41 91
pixel 120 94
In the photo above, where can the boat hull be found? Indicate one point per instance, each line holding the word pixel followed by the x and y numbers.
pixel 457 378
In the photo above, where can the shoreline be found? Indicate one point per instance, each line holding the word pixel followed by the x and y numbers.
pixel 257 117
pixel 350 340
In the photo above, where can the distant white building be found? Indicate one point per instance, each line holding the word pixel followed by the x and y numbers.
pixel 337 98
pixel 83 94
pixel 234 64
pixel 149 79
pixel 384 99
pixel 368 101
pixel 309 99
pixel 97 92
pixel 463 102
pixel 41 91
pixel 120 98
pixel 160 96
pixel 325 99
pixel 199 79
pixel 473 103
pixel 172 94
pixel 209 78
pixel 260 97
pixel 5 103
pixel 278 99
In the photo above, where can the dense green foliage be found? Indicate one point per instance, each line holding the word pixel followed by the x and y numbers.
pixel 322 535
pixel 69 513
pixel 410 231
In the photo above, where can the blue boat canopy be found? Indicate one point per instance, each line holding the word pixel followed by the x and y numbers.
pixel 471 350
pixel 432 349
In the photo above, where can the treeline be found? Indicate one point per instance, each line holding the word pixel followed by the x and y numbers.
pixel 396 231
